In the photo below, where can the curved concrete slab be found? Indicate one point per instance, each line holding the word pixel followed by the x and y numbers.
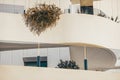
pixel 32 73
pixel 71 28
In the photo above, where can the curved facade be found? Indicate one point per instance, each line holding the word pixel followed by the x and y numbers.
pixel 76 37
pixel 72 29
pixel 31 73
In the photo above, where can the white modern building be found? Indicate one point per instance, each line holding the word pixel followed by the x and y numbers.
pixel 76 37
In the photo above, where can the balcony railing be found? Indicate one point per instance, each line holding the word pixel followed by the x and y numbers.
pixel 93 11
pixel 17 9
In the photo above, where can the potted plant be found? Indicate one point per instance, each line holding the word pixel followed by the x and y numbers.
pixel 68 64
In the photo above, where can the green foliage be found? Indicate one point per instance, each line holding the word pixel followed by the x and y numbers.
pixel 68 65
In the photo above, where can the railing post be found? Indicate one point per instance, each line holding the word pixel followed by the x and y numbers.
pixel 38 61
pixel 85 59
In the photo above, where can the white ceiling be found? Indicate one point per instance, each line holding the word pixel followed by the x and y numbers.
pixel 10 45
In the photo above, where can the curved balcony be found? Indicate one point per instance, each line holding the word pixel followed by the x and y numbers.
pixel 76 31
pixel 71 30
pixel 32 73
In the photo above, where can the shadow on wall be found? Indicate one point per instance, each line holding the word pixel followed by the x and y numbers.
pixel 98 58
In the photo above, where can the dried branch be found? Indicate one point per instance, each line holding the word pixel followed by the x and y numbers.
pixel 41 17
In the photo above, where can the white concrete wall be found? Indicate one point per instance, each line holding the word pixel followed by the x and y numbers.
pixel 31 73
pixel 71 28
pixel 15 57
pixel 63 4
pixel 110 7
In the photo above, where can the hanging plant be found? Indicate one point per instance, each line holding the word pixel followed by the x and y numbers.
pixel 41 17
